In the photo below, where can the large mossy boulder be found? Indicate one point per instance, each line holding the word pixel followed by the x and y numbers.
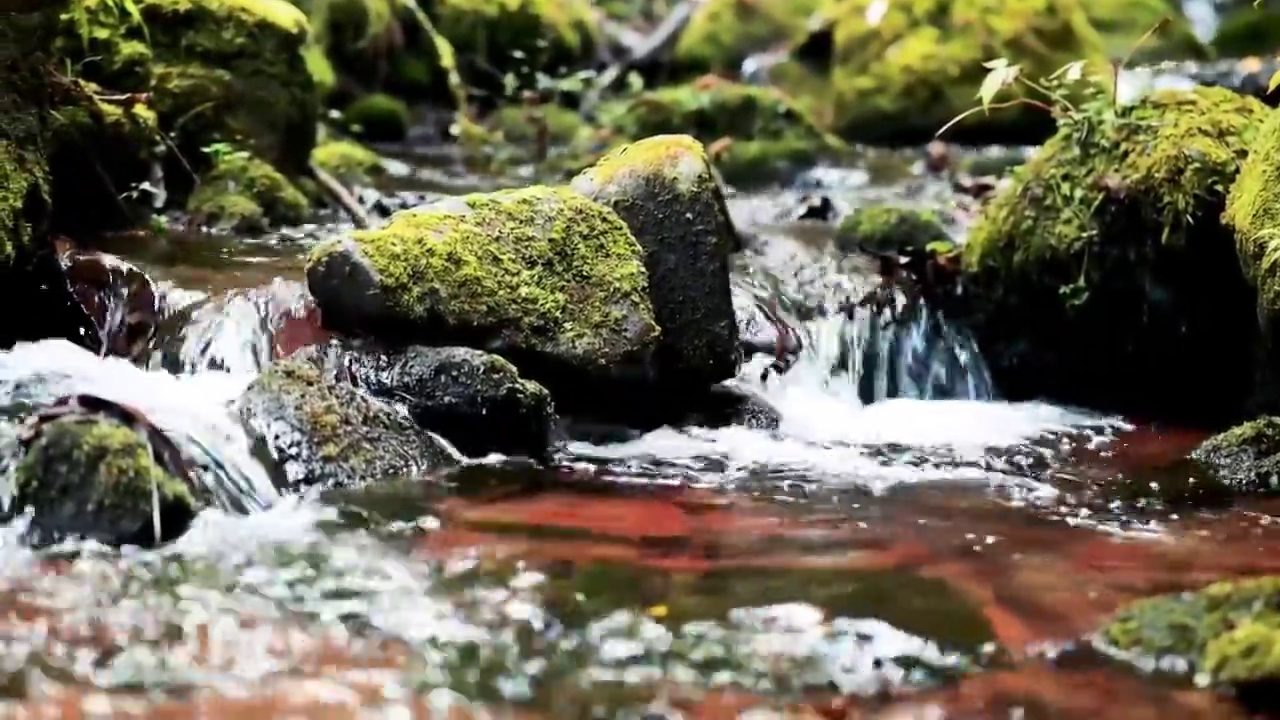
pixel 216 70
pixel 760 136
pixel 100 479
pixel 663 187
pixel 1229 631
pixel 896 73
pixel 319 432
pixel 542 276
pixel 1106 258
pixel 1253 212
pixel 723 33
pixel 475 400
pixel 245 194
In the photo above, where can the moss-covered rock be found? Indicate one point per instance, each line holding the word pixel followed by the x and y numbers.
pixel 245 194
pixel 378 117
pixel 97 478
pixel 723 33
pixel 1253 212
pixel 887 229
pixel 541 275
pixel 1246 457
pixel 1230 631
pixel 898 76
pixel 497 39
pixel 24 172
pixel 217 70
pixel 475 400
pixel 1248 31
pixel 759 134
pixel 347 160
pixel 664 189
pixel 1105 258
pixel 317 431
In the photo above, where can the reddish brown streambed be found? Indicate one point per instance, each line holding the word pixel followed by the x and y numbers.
pixel 1040 581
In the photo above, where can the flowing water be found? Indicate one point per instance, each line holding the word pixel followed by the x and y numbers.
pixel 904 545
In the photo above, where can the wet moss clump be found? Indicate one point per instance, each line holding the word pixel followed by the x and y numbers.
pixel 1253 212
pixel 1246 457
pixel 1105 257
pixel 378 117
pixel 97 477
pixel 899 75
pixel 886 230
pixel 24 174
pixel 1229 631
pixel 542 268
pixel 347 160
pixel 242 193
pixel 758 133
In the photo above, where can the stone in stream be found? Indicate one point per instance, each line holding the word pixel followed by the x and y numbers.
pixel 1246 458
pixel 1107 258
pixel 663 187
pixel 119 298
pixel 473 399
pixel 320 432
pixel 95 469
pixel 891 230
pixel 542 276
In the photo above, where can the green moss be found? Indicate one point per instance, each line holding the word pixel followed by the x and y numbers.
pixel 723 33
pixel 516 37
pixel 1253 212
pixel 246 194
pixel 24 183
pixel 218 70
pixel 883 229
pixel 1091 266
pixel 762 134
pixel 378 117
pixel 1248 31
pixel 681 156
pixel 346 160
pixel 901 78
pixel 1261 435
pixel 1227 630
pixel 116 461
pixel 543 263
pixel 1246 457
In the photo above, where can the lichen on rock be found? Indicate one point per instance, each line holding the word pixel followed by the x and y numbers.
pixel 317 431
pixel 1105 257
pixel 97 478
pixel 664 188
pixel 245 194
pixel 1230 630
pixel 542 275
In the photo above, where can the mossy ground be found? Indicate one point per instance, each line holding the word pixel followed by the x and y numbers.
pixel 543 263
pixel 1109 241
pixel 244 193
pixel 899 79
pixel 758 132
pixel 1229 630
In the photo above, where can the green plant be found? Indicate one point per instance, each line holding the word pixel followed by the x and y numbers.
pixel 79 12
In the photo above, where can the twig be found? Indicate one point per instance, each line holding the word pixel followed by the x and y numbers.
pixel 340 195
pixel 659 41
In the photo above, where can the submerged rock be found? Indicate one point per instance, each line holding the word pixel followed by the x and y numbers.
pixel 319 432
pixel 1105 258
pixel 888 230
pixel 542 276
pixel 1246 457
pixel 244 194
pixel 94 469
pixel 475 400
pixel 757 134
pixel 664 188
pixel 1229 631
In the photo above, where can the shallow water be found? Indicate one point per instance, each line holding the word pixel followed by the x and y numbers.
pixel 934 553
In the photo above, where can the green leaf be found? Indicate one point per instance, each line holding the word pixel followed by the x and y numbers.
pixel 1001 76
pixel 1273 82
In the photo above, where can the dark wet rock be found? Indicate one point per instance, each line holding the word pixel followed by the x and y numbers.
pixel 816 208
pixel 732 404
pixel 542 276
pixel 320 432
pixel 664 190
pixel 1246 457
pixel 1228 631
pixel 475 400
pixel 95 469
pixel 1107 257
pixel 118 297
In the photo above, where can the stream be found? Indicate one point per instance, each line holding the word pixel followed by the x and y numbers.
pixel 904 545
